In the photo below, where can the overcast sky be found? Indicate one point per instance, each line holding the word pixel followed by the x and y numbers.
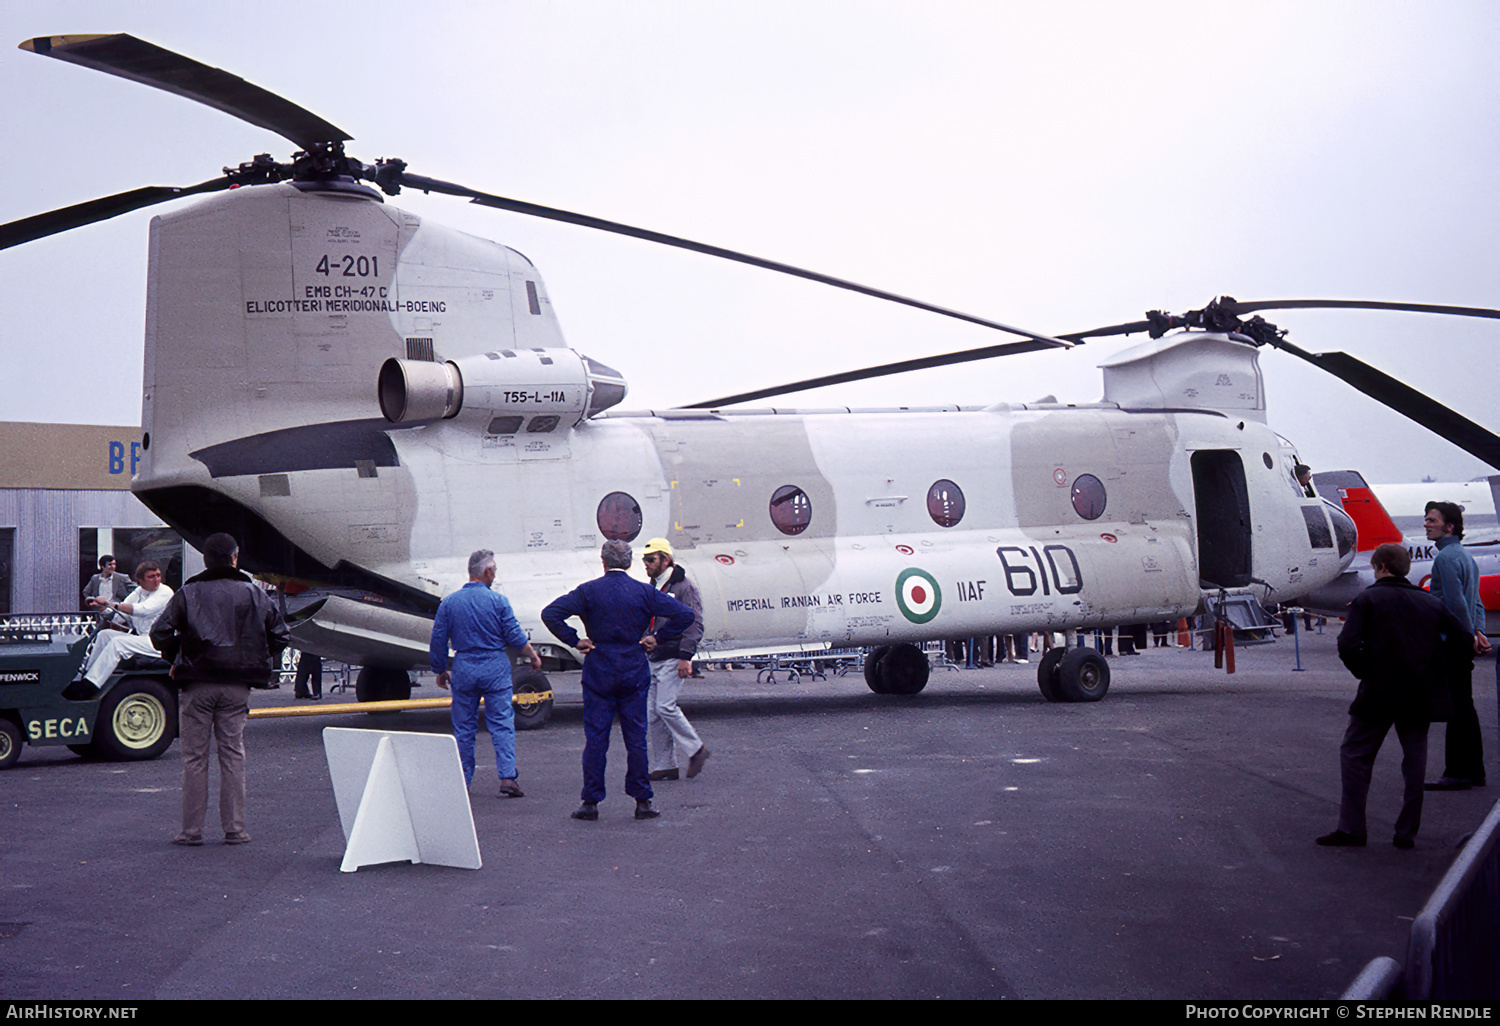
pixel 1059 166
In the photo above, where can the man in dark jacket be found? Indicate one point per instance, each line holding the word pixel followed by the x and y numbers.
pixel 106 588
pixel 1400 642
pixel 667 727
pixel 222 635
pixel 616 610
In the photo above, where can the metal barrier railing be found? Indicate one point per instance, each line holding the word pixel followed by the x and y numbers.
pixel 1454 951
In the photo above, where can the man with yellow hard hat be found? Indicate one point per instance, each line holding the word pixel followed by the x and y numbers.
pixel 667 729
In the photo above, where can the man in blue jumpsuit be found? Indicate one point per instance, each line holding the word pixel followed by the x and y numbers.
pixel 481 626
pixel 1455 580
pixel 616 611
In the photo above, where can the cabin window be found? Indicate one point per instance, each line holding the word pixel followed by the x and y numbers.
pixel 791 509
pixel 619 517
pixel 1088 496
pixel 945 503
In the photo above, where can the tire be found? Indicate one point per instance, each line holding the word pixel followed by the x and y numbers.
pixel 532 714
pixel 10 744
pixel 1082 676
pixel 874 679
pixel 1046 673
pixel 904 670
pixel 137 720
pixel 382 684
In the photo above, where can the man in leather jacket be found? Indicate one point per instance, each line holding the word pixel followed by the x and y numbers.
pixel 223 635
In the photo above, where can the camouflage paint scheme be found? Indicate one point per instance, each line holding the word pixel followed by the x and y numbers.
pixel 271 312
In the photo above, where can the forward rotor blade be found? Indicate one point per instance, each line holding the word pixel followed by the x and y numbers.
pixel 883 370
pixel 553 214
pixel 1236 307
pixel 1407 401
pixel 149 64
pixel 920 363
pixel 40 226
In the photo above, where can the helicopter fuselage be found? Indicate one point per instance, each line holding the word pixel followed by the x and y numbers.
pixel 283 322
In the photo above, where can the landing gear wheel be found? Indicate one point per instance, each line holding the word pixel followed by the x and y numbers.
pixel 382 684
pixel 10 744
pixel 1046 673
pixel 135 721
pixel 873 679
pixel 531 695
pixel 1082 676
pixel 898 670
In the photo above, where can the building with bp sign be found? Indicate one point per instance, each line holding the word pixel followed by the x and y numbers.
pixel 65 499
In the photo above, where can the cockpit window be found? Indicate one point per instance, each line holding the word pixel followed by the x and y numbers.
pixel 1289 461
pixel 1318 533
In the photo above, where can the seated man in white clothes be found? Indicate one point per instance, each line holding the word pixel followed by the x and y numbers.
pixel 143 606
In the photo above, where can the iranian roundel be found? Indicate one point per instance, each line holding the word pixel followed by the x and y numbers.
pixel 918 595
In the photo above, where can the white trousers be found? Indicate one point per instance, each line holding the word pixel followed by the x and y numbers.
pixel 667 729
pixel 110 648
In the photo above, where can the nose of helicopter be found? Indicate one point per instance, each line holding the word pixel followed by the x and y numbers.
pixel 1346 534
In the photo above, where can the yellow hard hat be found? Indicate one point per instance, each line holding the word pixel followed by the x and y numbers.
pixel 657 545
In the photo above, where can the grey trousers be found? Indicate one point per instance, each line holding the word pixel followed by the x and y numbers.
pixel 213 711
pixel 1357 759
pixel 667 729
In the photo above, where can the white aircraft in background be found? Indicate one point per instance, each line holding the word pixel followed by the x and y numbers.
pixel 1377 526
pixel 1407 504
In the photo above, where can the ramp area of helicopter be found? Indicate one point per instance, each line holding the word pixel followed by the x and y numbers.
pixel 973 841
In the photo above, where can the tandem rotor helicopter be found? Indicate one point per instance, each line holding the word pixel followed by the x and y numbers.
pixel 362 398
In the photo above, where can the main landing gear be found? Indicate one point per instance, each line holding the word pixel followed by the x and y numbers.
pixel 896 670
pixel 1073 675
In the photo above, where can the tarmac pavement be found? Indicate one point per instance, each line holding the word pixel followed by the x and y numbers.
pixel 972 841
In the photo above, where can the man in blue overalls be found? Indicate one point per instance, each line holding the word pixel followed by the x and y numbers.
pixel 481 626
pixel 616 611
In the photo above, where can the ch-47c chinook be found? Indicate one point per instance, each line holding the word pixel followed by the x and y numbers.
pixel 363 398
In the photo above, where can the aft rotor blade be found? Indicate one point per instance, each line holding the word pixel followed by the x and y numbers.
pixel 1363 304
pixel 584 220
pixel 40 226
pixel 149 64
pixel 1407 401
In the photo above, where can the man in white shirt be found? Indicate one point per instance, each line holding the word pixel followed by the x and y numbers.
pixel 143 606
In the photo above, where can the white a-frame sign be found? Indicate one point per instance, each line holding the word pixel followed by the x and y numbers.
pixel 401 797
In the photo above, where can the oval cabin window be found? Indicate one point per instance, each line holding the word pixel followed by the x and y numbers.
pixel 791 509
pixel 945 503
pixel 619 517
pixel 1088 496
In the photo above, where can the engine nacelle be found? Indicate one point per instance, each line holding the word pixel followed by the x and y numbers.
pixel 537 391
